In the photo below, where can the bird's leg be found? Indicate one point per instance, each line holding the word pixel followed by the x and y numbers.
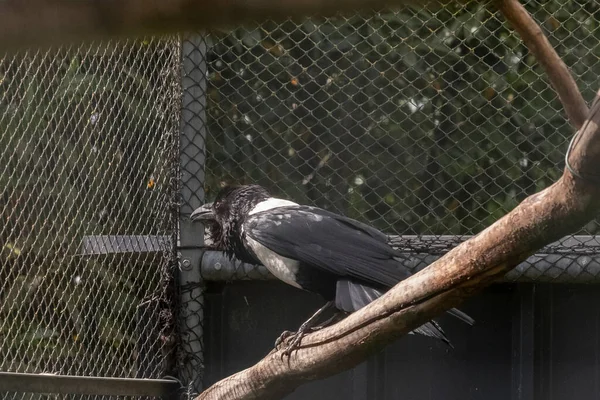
pixel 338 316
pixel 330 321
pixel 306 327
pixel 309 324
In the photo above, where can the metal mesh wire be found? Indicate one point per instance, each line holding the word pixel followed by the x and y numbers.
pixel 417 122
pixel 87 151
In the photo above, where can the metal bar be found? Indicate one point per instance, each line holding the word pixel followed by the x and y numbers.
pixel 86 385
pixel 573 260
pixel 440 244
pixel 192 158
pixel 116 244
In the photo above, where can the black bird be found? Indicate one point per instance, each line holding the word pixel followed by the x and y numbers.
pixel 348 263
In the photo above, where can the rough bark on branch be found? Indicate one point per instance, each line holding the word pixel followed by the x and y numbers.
pixel 537 221
pixel 25 23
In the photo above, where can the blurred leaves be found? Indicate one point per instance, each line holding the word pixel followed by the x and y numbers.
pixel 445 116
pixel 86 141
pixel 417 122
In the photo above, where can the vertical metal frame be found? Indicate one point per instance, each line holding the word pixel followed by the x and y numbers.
pixel 192 159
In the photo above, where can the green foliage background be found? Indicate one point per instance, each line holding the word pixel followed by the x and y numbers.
pixel 418 122
pixel 87 141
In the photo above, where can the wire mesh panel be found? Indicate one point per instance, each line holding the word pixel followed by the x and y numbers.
pixel 87 168
pixel 418 122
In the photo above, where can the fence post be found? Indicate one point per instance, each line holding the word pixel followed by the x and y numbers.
pixel 192 157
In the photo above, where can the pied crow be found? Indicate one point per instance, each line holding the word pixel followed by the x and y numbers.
pixel 348 263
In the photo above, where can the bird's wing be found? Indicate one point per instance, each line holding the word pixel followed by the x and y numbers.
pixel 322 239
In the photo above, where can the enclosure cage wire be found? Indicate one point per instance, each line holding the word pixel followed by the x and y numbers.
pixel 420 123
pixel 86 165
pixel 426 123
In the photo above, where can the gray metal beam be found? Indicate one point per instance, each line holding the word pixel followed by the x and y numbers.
pixel 571 260
pixel 96 245
pixel 86 385
pixel 192 159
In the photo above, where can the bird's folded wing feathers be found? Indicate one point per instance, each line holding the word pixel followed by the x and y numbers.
pixel 328 241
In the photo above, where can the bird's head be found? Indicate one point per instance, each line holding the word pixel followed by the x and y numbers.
pixel 224 216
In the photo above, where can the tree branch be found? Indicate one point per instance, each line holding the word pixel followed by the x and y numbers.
pixel 538 220
pixel 465 270
pixel 558 73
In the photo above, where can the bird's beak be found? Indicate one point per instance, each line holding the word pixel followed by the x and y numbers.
pixel 203 213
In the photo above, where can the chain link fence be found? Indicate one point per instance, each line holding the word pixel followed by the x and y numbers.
pixel 417 122
pixel 427 125
pixel 89 135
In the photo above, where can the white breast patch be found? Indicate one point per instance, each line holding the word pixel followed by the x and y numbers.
pixel 270 204
pixel 282 268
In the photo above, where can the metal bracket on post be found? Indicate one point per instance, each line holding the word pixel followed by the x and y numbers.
pixel 191 235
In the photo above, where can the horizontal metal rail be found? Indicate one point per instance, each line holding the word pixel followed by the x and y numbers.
pixel 572 260
pixel 114 244
pixel 86 385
